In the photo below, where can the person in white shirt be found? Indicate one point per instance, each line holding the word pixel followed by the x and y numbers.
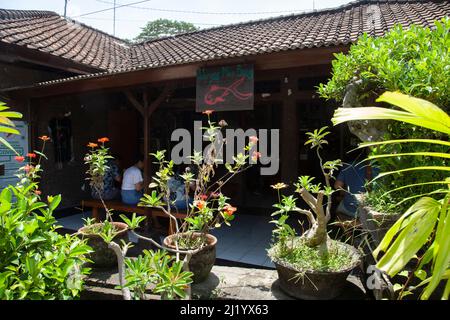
pixel 133 183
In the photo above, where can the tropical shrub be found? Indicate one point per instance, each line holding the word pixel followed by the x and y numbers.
pixel 414 61
pixel 422 234
pixel 36 261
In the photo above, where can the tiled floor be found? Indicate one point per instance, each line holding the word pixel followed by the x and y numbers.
pixel 246 241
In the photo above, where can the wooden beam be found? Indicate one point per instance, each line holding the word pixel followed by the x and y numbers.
pixel 263 62
pixel 132 99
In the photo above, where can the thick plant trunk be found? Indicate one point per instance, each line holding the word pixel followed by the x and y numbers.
pixel 317 235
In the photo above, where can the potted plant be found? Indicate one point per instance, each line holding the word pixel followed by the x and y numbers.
pixel 311 266
pixel 210 208
pixel 94 231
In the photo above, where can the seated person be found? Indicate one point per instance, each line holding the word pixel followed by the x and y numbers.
pixel 351 180
pixel 111 176
pixel 133 183
pixel 178 197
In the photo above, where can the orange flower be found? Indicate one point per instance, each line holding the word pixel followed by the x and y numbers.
pixel 44 138
pixel 37 192
pixel 200 204
pixel 31 155
pixel 103 140
pixel 208 112
pixel 92 145
pixel 19 158
pixel 229 210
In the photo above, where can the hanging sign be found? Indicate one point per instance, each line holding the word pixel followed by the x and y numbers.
pixel 225 88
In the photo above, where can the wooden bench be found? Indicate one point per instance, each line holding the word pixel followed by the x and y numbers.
pixel 119 207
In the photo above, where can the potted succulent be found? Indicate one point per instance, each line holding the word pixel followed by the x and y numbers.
pixel 209 207
pixel 94 231
pixel 311 266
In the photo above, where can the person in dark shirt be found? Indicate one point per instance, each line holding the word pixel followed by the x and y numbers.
pixel 112 175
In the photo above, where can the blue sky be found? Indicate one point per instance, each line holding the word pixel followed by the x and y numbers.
pixel 203 13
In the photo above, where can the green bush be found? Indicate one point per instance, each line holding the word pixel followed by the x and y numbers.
pixel 414 61
pixel 36 262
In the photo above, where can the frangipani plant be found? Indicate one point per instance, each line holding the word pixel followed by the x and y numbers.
pixel 422 234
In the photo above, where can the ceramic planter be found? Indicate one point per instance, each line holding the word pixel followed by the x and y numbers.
pixel 201 262
pixel 315 285
pixel 103 257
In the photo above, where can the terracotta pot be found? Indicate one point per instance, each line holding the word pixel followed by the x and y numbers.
pixel 315 285
pixel 201 262
pixel 103 257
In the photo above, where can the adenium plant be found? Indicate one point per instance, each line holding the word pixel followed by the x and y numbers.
pixel 316 196
pixel 210 208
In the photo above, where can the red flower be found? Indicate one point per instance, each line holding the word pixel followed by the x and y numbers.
pixel 253 139
pixel 200 204
pixel 256 155
pixel 229 210
pixel 44 138
pixel 208 112
pixel 19 158
pixel 31 155
pixel 203 197
pixel 27 168
pixel 103 140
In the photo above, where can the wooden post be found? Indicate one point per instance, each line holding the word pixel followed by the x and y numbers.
pixel 146 109
pixel 289 132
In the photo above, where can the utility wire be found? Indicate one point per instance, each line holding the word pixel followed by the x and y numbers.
pixel 137 20
pixel 108 9
pixel 204 12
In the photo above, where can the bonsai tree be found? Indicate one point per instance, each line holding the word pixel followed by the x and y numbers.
pixel 313 250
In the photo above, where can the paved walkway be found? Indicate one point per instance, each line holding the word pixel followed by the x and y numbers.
pixel 246 241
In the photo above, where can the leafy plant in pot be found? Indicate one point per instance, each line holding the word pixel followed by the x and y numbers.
pixel 210 208
pixel 311 266
pixel 94 231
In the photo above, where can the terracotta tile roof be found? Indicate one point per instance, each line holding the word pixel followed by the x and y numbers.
pixel 49 32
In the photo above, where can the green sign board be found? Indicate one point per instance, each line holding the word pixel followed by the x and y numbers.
pixel 225 88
